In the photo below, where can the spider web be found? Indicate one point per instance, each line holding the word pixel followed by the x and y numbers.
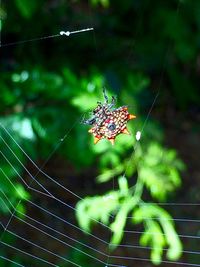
pixel 54 246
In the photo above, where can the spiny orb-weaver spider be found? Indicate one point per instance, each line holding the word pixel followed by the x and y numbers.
pixel 108 122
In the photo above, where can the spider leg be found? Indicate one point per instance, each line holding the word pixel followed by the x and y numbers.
pixel 105 96
pixel 82 120
pixel 89 121
pixel 113 102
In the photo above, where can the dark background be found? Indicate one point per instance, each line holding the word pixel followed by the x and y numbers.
pixel 142 51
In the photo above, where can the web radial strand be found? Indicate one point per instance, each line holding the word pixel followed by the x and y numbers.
pixel 1 224
pixel 27 254
pixel 164 261
pixel 163 233
pixel 11 261
pixel 60 34
pixel 42 172
pixel 128 246
pixel 147 247
pixel 96 259
pixel 43 249
pixel 194 252
pixel 175 219
pixel 57 232
pixel 15 188
pixel 59 240
pixel 36 245
pixel 180 235
pixel 116 256
pixel 67 33
pixel 54 215
pixel 35 165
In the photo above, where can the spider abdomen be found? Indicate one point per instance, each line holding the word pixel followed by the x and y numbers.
pixel 108 123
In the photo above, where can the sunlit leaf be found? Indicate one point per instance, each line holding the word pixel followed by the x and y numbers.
pixel 118 225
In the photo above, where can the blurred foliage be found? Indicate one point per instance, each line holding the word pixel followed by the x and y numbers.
pixel 156 169
pixel 47 86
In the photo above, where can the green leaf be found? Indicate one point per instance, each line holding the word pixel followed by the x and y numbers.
pixel 85 102
pixel 98 208
pixel 81 214
pixel 21 210
pixel 118 225
pixel 151 214
pixel 108 174
pixel 104 3
pixel 154 237
pixel 21 192
pixel 26 7
pixel 123 186
pixel 159 170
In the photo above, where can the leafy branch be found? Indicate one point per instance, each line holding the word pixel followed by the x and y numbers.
pixel 157 170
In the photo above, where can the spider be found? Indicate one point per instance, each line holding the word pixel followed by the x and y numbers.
pixel 108 122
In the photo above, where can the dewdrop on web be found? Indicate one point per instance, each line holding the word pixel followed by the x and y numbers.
pixel 61 33
pixel 67 33
pixel 138 135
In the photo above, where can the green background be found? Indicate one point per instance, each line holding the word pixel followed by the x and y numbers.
pixel 144 52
